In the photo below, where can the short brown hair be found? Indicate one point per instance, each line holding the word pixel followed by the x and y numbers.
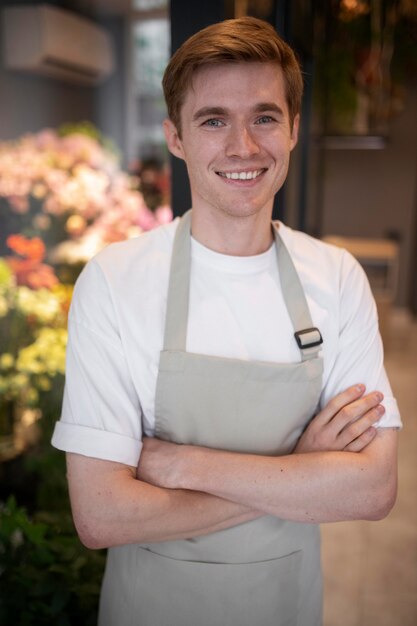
pixel 231 41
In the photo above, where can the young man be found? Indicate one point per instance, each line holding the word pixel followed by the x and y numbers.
pixel 226 334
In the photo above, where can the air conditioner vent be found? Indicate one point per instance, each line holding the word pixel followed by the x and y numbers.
pixel 56 43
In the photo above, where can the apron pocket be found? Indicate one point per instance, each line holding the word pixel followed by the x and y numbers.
pixel 171 592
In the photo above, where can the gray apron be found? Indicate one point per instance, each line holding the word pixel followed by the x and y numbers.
pixel 264 572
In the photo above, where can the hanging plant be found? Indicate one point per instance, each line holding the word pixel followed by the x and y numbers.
pixel 363 55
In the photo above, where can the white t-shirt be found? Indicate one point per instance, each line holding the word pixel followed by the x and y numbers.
pixel 236 310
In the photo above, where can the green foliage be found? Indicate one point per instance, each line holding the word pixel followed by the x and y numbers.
pixel 335 93
pixel 46 575
pixel 47 464
pixel 365 56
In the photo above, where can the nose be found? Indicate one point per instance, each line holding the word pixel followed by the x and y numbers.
pixel 241 143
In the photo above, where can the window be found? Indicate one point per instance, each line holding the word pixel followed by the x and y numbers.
pixel 150 55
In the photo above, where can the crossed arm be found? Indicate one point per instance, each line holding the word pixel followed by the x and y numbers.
pixel 342 468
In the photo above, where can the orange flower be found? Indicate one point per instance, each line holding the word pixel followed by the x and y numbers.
pixel 33 249
pixel 29 270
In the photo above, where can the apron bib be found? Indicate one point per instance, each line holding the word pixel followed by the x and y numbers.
pixel 265 572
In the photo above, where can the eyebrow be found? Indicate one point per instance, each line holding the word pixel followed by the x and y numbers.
pixel 208 111
pixel 262 107
pixel 268 106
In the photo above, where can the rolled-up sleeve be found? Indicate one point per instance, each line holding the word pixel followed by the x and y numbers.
pixel 101 413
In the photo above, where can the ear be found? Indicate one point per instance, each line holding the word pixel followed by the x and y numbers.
pixel 294 131
pixel 173 140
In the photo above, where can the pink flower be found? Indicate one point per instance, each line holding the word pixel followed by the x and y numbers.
pixel 76 176
pixel 163 214
pixel 20 204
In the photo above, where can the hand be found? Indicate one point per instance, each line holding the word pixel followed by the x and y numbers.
pixel 345 423
pixel 159 463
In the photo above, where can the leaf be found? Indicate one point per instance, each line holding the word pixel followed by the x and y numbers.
pixel 59 599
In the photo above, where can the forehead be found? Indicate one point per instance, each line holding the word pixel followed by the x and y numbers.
pixel 230 84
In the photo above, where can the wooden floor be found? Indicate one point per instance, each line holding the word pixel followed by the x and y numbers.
pixel 370 569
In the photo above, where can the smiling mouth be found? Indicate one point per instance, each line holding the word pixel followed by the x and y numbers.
pixel 242 175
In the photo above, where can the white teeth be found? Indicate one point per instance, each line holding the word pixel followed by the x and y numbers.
pixel 241 175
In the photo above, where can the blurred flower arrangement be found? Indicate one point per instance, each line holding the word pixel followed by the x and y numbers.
pixel 66 186
pixel 33 319
pixel 63 197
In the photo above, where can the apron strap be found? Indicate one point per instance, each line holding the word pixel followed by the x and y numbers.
pixel 308 338
pixel 176 319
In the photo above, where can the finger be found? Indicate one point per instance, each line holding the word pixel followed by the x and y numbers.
pixel 352 412
pixel 361 442
pixel 337 403
pixel 355 429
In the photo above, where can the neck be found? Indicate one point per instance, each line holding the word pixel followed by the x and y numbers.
pixel 232 235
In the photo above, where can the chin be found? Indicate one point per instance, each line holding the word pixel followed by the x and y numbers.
pixel 238 213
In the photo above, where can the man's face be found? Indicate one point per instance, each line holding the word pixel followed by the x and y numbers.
pixel 236 137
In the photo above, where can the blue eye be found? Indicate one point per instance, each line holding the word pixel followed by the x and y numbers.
pixel 265 119
pixel 213 123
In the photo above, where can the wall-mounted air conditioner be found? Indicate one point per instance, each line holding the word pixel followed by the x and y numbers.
pixel 57 43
